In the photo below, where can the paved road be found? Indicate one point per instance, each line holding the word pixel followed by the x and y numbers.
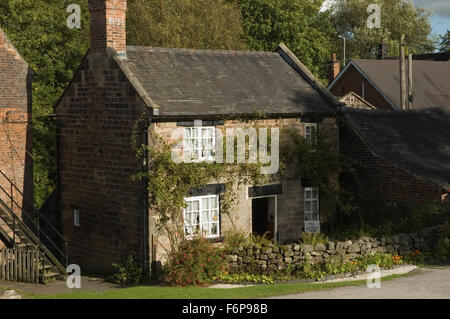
pixel 430 283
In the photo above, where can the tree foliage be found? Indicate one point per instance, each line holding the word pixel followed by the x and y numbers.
pixel 297 23
pixel 444 44
pixel 397 17
pixel 198 24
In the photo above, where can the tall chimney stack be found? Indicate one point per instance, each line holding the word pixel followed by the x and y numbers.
pixel 382 51
pixel 108 25
pixel 334 68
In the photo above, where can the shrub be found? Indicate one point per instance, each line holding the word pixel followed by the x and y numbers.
pixel 314 238
pixel 195 262
pixel 129 273
pixel 234 239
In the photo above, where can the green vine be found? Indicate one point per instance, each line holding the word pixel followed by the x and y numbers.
pixel 169 183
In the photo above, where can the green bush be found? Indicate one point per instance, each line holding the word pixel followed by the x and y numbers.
pixel 314 238
pixel 195 262
pixel 129 273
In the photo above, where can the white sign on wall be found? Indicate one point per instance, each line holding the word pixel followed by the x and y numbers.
pixel 312 226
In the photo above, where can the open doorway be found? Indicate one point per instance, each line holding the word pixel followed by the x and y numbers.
pixel 264 216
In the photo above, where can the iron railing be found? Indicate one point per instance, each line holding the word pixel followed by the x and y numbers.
pixel 35 221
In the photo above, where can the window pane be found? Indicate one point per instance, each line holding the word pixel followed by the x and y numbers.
pixel 307 207
pixel 195 205
pixel 205 203
pixel 213 202
pixel 214 229
pixel 195 219
pixel 308 194
pixel 187 133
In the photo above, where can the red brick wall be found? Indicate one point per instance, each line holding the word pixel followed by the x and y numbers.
pixel 96 118
pixel 15 123
pixel 378 178
pixel 352 81
pixel 108 24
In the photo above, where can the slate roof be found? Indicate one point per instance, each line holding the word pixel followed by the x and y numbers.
pixel 416 141
pixel 186 82
pixel 431 81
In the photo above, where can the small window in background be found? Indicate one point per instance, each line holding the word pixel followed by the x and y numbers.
pixel 76 217
pixel 311 132
pixel 311 210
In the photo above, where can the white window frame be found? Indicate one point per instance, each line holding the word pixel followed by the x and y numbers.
pixel 202 223
pixel 311 216
pixel 201 142
pixel 311 136
pixel 76 217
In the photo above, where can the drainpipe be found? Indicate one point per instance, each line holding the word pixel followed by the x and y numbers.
pixel 147 252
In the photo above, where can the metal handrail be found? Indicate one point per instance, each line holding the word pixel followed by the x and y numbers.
pixel 25 213
pixel 40 216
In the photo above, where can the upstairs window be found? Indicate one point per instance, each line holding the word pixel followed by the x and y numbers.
pixel 201 216
pixel 311 132
pixel 199 144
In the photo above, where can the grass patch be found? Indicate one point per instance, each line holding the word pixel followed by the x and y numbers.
pixel 259 291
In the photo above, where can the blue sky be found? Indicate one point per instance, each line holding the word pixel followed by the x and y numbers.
pixel 440 20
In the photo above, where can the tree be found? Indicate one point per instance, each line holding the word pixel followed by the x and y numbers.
pixel 444 44
pixel 39 31
pixel 199 24
pixel 297 23
pixel 397 17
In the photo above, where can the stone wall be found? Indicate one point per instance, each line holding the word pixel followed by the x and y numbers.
pixel 272 257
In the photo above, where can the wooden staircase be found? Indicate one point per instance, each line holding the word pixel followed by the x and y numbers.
pixel 20 228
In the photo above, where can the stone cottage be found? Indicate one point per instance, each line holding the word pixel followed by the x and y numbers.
pixel 16 169
pixel 120 89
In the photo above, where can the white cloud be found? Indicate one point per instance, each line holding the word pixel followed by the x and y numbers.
pixel 439 7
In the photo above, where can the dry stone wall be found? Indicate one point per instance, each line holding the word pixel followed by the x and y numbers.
pixel 271 257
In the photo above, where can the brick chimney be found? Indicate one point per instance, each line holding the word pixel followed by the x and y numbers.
pixel 108 25
pixel 334 69
pixel 382 51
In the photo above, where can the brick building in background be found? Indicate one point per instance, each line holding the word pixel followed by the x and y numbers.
pixel 377 82
pixel 15 127
pixel 398 156
pixel 119 90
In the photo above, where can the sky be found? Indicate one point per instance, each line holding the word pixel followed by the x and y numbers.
pixel 440 19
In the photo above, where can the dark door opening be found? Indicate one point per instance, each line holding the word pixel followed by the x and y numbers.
pixel 262 218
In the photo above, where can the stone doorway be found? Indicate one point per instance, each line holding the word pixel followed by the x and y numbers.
pixel 264 216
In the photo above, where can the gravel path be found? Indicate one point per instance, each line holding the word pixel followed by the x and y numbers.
pixel 430 283
pixel 58 287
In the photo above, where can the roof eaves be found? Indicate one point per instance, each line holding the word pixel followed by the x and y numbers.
pixel 133 80
pixel 298 66
pixel 9 43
